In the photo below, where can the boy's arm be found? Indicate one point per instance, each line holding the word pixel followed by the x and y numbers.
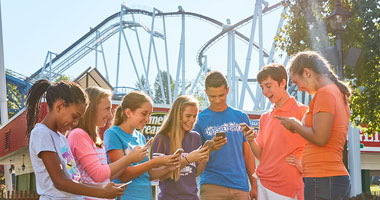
pixel 250 167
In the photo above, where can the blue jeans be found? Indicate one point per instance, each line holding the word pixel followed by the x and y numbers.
pixel 327 188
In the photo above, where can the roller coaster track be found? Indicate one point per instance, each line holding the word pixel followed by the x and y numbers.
pixel 206 46
pixel 68 57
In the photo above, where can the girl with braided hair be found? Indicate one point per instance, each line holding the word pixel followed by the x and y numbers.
pixel 57 176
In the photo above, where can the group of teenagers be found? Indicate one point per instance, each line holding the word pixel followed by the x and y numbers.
pixel 299 148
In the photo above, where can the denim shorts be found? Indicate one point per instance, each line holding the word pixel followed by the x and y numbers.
pixel 327 188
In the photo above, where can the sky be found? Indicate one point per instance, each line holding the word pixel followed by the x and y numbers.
pixel 32 28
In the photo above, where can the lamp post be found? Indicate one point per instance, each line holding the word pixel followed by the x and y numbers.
pixel 337 20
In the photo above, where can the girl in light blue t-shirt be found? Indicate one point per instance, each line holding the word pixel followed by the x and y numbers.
pixel 133 113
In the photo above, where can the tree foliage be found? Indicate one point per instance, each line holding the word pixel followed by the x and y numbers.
pixel 157 94
pixel 157 88
pixel 306 29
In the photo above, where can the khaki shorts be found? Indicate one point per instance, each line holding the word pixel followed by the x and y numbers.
pixel 217 192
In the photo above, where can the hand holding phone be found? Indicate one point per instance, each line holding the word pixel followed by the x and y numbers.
pixel 222 134
pixel 219 140
pixel 124 184
pixel 208 144
pixel 244 126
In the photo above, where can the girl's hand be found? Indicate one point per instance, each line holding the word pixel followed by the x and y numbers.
pixel 205 160
pixel 290 123
pixel 111 190
pixel 249 133
pixel 137 154
pixel 197 155
pixel 167 160
pixel 294 161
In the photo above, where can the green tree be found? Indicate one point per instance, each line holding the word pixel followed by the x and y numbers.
pixel 157 88
pixel 366 85
pixel 142 85
pixel 197 93
pixel 306 29
pixel 14 102
pixel 62 78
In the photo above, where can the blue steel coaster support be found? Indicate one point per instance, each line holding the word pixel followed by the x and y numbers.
pixel 180 54
pixel 249 54
pixel 257 101
pixel 244 83
pixel 139 44
pixel 122 13
pixel 235 79
pixel 159 73
pixel 205 69
pixel 261 55
pixel 202 69
pixel 167 61
pixel 49 56
pixel 103 55
pixel 104 61
pixel 262 99
pixel 132 60
pixel 149 53
pixel 183 55
pixel 96 49
pixel 230 60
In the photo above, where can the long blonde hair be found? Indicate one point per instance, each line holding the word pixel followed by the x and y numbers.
pixel 172 127
pixel 88 120
pixel 132 100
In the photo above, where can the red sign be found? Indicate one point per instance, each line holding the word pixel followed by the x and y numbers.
pixel 371 142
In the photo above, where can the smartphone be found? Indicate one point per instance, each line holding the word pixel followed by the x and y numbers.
pixel 223 134
pixel 208 144
pixel 124 184
pixel 243 125
pixel 179 151
pixel 150 142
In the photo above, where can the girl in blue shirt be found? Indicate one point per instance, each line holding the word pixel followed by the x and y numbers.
pixel 134 113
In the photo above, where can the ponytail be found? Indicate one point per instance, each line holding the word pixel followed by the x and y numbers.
pixel 119 116
pixel 69 92
pixel 341 85
pixel 33 103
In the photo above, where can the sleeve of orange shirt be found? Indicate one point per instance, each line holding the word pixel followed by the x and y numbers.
pixel 324 102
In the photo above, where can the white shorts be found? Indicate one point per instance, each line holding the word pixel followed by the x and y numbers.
pixel 265 194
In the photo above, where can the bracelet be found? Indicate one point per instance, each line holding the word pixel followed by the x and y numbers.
pixel 187 160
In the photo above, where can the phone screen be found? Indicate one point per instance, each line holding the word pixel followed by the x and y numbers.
pixel 208 144
pixel 124 184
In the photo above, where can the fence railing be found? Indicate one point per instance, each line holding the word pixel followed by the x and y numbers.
pixel 19 195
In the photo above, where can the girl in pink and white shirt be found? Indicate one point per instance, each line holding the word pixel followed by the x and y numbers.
pixel 87 147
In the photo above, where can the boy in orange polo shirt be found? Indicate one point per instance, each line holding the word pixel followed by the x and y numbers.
pixel 277 149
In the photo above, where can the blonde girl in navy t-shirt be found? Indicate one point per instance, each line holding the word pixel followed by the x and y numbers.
pixel 176 133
